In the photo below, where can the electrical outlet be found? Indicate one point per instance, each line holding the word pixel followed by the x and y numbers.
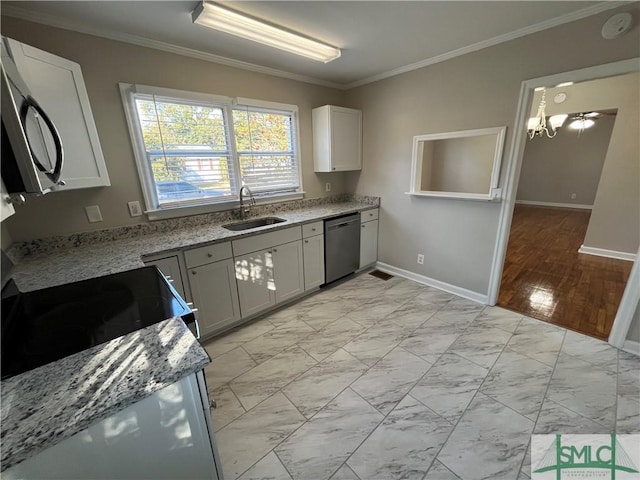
pixel 93 213
pixel 327 186
pixel 421 259
pixel 134 209
pixel 573 196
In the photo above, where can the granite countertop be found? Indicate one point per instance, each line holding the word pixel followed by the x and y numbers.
pixel 42 270
pixel 53 402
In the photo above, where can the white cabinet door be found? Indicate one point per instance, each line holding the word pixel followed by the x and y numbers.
pixel 313 249
pixel 288 271
pixel 254 276
pixel 170 267
pixel 337 139
pixel 58 86
pixel 368 243
pixel 346 141
pixel 6 208
pixel 214 292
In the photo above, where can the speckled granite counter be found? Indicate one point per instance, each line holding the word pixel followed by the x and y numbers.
pixel 53 402
pixel 65 265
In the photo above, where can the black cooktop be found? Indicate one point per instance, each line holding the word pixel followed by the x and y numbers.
pixel 46 325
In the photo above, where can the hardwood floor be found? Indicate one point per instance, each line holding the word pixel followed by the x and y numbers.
pixel 546 278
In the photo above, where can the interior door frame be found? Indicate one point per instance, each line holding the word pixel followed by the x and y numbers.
pixel 630 297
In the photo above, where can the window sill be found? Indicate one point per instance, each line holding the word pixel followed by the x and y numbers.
pixel 189 210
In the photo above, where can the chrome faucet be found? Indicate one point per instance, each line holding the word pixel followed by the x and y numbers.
pixel 252 201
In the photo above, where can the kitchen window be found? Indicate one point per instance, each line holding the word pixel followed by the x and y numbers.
pixel 195 151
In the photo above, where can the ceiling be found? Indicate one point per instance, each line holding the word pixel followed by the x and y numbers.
pixel 378 39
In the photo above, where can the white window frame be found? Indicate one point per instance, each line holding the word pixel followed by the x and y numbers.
pixel 227 104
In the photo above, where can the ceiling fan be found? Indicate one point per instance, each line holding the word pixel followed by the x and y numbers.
pixel 583 120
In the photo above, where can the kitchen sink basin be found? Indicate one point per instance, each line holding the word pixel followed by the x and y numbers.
pixel 249 224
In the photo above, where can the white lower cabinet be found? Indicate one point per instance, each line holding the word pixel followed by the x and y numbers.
pixel 313 250
pixel 166 435
pixel 214 293
pixel 254 276
pixel 288 271
pixel 368 243
pixel 269 276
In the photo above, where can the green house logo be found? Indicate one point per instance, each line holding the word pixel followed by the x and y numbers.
pixel 585 456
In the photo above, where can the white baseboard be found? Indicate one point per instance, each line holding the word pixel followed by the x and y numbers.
pixel 631 347
pixel 551 204
pixel 432 282
pixel 603 252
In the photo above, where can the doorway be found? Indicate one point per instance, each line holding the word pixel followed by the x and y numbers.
pixel 554 242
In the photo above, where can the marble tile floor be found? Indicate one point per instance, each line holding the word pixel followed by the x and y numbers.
pixel 374 379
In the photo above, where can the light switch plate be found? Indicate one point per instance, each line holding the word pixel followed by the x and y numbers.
pixel 134 209
pixel 93 213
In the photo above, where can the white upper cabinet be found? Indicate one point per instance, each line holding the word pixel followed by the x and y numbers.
pixel 58 86
pixel 337 139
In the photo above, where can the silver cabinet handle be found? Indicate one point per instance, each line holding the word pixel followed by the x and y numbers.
pixel 170 280
pixel 209 255
pixel 362 226
pixel 190 304
pixel 275 250
pixel 194 310
pixel 306 241
pixel 193 272
pixel 313 229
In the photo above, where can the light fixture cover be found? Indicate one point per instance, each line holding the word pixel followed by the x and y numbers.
pixel 556 121
pixel 215 16
pixel 581 124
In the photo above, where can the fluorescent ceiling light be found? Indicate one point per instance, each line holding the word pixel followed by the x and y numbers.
pixel 220 18
pixel 564 84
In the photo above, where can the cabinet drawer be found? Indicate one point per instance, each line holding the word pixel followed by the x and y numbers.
pixel 209 254
pixel 369 215
pixel 312 229
pixel 266 240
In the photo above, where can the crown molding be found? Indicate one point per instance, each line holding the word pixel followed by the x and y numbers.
pixel 54 21
pixel 538 27
pixel 57 22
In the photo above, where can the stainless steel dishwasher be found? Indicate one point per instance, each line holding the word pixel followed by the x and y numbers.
pixel 341 246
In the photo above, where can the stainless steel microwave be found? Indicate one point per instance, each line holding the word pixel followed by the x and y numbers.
pixel 32 151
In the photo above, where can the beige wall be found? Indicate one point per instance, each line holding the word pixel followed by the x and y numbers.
pixel 460 165
pixel 477 90
pixel 615 218
pixel 554 168
pixel 105 63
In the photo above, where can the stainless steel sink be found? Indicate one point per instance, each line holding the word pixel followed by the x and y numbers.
pixel 249 224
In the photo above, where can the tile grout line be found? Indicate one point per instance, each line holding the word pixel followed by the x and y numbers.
pixel 342 391
pixel 390 411
pixel 467 408
pixel 544 397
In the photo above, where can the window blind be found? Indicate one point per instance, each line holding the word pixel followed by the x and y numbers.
pixel 266 146
pixel 188 150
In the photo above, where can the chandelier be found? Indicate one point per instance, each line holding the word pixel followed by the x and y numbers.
pixel 537 126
